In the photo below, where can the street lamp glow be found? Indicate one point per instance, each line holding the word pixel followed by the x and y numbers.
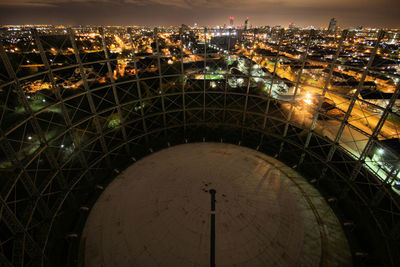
pixel 308 99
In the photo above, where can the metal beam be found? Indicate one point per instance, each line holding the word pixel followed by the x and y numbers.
pixel 280 40
pixel 226 76
pixel 26 243
pixel 249 76
pixel 138 86
pixel 303 63
pixel 114 88
pixel 99 129
pixel 57 93
pixel 160 79
pixel 324 90
pixel 183 76
pixel 205 74
pixel 353 100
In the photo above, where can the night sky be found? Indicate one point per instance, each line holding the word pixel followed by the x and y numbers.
pixel 349 13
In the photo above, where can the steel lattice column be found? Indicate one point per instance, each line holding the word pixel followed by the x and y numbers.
pixel 280 40
pixel 350 108
pixel 114 88
pixel 183 76
pixel 303 63
pixel 57 93
pixel 205 74
pixel 160 78
pixel 249 76
pixel 226 76
pixel 138 87
pixel 89 96
pixel 324 90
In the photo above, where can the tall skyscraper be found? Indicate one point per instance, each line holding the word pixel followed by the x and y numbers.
pixel 231 18
pixel 332 25
pixel 246 23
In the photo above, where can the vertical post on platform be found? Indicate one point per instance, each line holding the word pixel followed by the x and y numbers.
pixel 353 100
pixel 324 90
pixel 114 88
pixel 296 88
pixel 138 86
pixel 161 92
pixel 227 76
pixel 183 81
pixel 205 74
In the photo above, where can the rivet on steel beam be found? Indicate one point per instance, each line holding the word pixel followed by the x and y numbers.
pixel 348 223
pixel 332 199
pixel 361 254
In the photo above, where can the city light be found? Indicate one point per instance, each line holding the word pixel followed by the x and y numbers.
pixel 323 101
pixel 308 99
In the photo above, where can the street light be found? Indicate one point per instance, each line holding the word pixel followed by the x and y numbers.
pixel 308 99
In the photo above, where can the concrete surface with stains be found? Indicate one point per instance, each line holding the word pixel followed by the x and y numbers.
pixel 157 213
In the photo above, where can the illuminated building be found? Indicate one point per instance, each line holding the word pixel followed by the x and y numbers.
pixel 231 19
pixel 332 25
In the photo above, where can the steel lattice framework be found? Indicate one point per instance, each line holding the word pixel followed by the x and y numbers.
pixel 62 142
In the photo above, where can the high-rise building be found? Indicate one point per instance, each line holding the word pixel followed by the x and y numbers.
pixel 231 19
pixel 332 25
pixel 246 23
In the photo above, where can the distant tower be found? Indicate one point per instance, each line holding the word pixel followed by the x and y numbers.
pixel 231 18
pixel 246 23
pixel 332 25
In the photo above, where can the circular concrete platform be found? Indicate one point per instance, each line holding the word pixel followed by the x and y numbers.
pixel 158 213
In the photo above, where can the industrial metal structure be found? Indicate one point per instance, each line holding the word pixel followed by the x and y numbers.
pixel 78 105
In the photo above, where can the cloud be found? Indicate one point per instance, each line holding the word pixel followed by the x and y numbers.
pixel 25 3
pixel 204 12
pixel 189 4
pixel 51 3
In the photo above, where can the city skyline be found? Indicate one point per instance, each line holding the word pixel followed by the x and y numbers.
pixel 291 134
pixel 379 14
